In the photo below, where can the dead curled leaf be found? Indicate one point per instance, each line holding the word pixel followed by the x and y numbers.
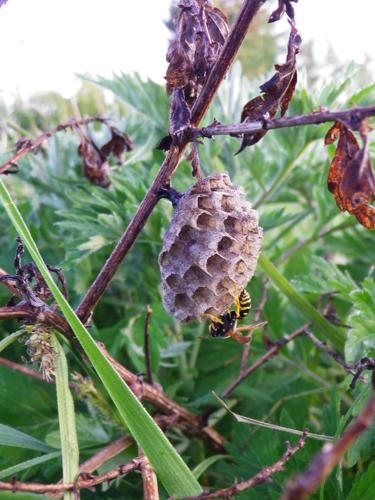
pixel 285 6
pixel 95 164
pixel 276 92
pixel 351 178
pixel 117 145
pixel 201 32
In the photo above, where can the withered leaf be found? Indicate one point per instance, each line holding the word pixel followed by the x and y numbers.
pixel 179 115
pixel 351 178
pixel 284 6
pixel 201 31
pixel 95 164
pixel 117 145
pixel 276 92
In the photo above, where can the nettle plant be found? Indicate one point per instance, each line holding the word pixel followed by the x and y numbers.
pixel 147 403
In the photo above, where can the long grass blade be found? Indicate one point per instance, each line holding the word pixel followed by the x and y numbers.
pixel 169 466
pixel 67 421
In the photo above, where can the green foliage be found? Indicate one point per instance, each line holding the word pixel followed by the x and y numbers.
pixel 316 249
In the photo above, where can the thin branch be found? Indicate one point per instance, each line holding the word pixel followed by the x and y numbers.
pixel 31 145
pixel 170 164
pixel 150 481
pixel 331 352
pixel 273 351
pixel 146 346
pixel 346 115
pixel 90 482
pixel 262 477
pixel 182 418
pixel 24 369
pixel 112 450
pixel 325 461
pixel 8 284
pixel 20 311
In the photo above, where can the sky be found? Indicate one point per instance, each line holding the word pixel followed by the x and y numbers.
pixel 45 43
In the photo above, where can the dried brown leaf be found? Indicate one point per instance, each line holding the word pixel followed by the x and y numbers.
pixel 95 165
pixel 201 32
pixel 276 92
pixel 179 115
pixel 284 6
pixel 351 178
pixel 117 145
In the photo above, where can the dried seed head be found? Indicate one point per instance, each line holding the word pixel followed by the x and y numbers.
pixel 210 250
pixel 40 349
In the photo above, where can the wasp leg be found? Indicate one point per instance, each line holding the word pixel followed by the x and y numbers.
pixel 250 328
pixel 213 318
pixel 238 337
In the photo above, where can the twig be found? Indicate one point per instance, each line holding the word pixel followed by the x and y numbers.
pixel 29 145
pixel 15 486
pixel 146 346
pixel 182 418
pixel 19 311
pixel 24 369
pixel 8 284
pixel 331 352
pixel 150 481
pixel 105 454
pixel 217 74
pixel 273 351
pixel 257 316
pixel 347 115
pixel 262 477
pixel 328 457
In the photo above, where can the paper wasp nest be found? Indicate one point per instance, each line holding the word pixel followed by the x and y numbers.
pixel 210 250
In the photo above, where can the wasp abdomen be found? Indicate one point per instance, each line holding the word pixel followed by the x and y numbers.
pixel 245 304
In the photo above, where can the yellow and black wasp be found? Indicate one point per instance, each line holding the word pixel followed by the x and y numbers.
pixel 225 326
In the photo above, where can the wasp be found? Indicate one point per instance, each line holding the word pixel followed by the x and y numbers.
pixel 225 326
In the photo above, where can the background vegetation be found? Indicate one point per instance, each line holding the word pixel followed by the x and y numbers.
pixel 316 248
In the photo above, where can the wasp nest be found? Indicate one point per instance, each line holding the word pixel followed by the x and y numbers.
pixel 210 250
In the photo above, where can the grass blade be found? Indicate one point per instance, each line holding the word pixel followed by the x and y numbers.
pixel 9 339
pixel 325 328
pixel 13 437
pixel 67 421
pixel 27 464
pixel 169 466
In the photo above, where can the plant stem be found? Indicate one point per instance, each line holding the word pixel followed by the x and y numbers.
pixel 348 115
pixel 170 164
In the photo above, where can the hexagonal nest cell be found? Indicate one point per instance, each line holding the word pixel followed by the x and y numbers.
pixel 210 250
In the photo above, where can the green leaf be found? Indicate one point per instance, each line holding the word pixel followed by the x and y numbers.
pixel 361 336
pixel 145 97
pixel 363 487
pixel 325 328
pixel 28 464
pixel 171 469
pixel 12 437
pixel 67 424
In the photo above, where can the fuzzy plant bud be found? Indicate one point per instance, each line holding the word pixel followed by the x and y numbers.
pixel 210 250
